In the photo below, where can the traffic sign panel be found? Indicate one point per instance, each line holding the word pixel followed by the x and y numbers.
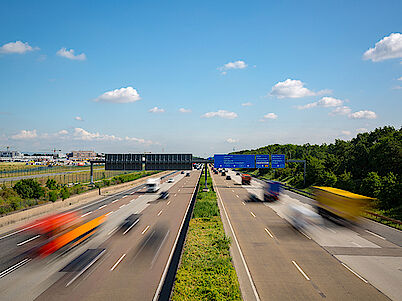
pixel 234 161
pixel 261 161
pixel 278 161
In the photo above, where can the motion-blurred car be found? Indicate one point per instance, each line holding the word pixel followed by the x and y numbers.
pixel 187 174
pixel 237 173
pixel 223 173
pixel 164 195
pixel 129 222
pixel 171 180
pixel 228 177
pixel 182 172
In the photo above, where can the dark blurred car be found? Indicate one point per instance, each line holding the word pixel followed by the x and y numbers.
pixel 182 172
pixel 129 222
pixel 237 173
pixel 228 177
pixel 164 195
pixel 216 172
pixel 223 173
pixel 187 174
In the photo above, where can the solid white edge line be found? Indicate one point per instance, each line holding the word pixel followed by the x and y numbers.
pixel 257 297
pixel 300 270
pixel 159 288
pixel 118 261
pixel 86 268
pixel 28 240
pixel 14 267
pixel 376 235
pixel 269 233
pixel 129 228
pixel 357 275
pixel 145 230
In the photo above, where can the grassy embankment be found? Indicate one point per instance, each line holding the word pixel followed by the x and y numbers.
pixel 206 271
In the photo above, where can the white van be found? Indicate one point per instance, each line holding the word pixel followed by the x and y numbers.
pixel 153 185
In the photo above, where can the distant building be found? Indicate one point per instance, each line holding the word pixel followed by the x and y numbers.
pixel 9 154
pixel 82 155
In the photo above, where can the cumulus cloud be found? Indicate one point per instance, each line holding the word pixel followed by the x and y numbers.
pixel 363 115
pixel 183 110
pixel 325 102
pixel 361 130
pixel 389 47
pixel 221 113
pixel 343 110
pixel 232 65
pixel 62 132
pixel 156 110
pixel 81 134
pixel 232 140
pixel 400 78
pixel 25 134
pixel 346 133
pixel 17 47
pixel 246 104
pixel 69 54
pixel 293 88
pixel 78 118
pixel 123 95
pixel 270 116
pixel 138 140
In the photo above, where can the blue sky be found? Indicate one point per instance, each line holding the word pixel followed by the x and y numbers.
pixel 317 71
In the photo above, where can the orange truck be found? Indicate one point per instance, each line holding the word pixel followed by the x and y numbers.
pixel 245 179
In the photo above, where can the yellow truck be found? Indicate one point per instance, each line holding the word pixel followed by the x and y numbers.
pixel 338 203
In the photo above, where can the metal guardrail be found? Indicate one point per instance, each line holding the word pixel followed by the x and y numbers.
pixel 382 217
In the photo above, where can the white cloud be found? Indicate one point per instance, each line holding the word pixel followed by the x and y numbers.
pixel 62 132
pixel 361 130
pixel 17 47
pixel 183 110
pixel 400 78
pixel 232 140
pixel 293 88
pixel 123 95
pixel 156 110
pixel 346 133
pixel 325 102
pixel 232 65
pixel 221 113
pixel 344 110
pixel 389 47
pixel 69 54
pixel 270 116
pixel 397 88
pixel 78 118
pixel 25 134
pixel 247 104
pixel 138 140
pixel 363 115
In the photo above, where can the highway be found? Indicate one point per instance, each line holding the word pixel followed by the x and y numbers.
pixel 115 264
pixel 275 261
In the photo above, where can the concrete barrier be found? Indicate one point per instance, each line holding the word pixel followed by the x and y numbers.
pixel 17 219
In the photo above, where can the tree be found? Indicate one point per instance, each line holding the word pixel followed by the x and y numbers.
pixel 371 185
pixel 51 184
pixel 29 189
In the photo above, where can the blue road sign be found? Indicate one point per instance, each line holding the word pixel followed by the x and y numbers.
pixel 261 161
pixel 278 161
pixel 234 161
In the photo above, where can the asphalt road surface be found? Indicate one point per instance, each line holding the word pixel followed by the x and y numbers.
pixel 275 261
pixel 115 264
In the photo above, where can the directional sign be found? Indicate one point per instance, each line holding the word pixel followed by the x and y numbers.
pixel 261 161
pixel 278 161
pixel 234 161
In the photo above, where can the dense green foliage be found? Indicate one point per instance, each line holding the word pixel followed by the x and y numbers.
pixel 29 189
pixel 206 271
pixel 369 164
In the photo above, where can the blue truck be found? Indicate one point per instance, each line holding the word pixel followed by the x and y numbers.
pixel 271 191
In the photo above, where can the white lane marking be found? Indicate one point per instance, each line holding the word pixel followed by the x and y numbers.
pixel 159 288
pixel 376 235
pixel 86 268
pixel 257 297
pixel 14 267
pixel 252 213
pixel 124 196
pixel 122 206
pixel 145 230
pixel 118 261
pixel 160 212
pixel 114 229
pixel 300 270
pixel 168 203
pixel 243 203
pixel 101 207
pixel 86 214
pixel 232 190
pixel 237 195
pixel 178 190
pixel 10 234
pixel 269 233
pixel 357 275
pixel 115 201
pixel 129 228
pixel 109 213
pixel 28 240
pixel 356 244
pixel 132 193
pixel 175 194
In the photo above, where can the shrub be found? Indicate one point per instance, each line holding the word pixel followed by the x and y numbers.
pixel 64 193
pixel 53 196
pixel 51 184
pixel 28 189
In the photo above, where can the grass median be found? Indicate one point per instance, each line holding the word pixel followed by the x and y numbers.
pixel 206 271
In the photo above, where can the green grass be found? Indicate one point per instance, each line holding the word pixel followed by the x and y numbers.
pixel 206 271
